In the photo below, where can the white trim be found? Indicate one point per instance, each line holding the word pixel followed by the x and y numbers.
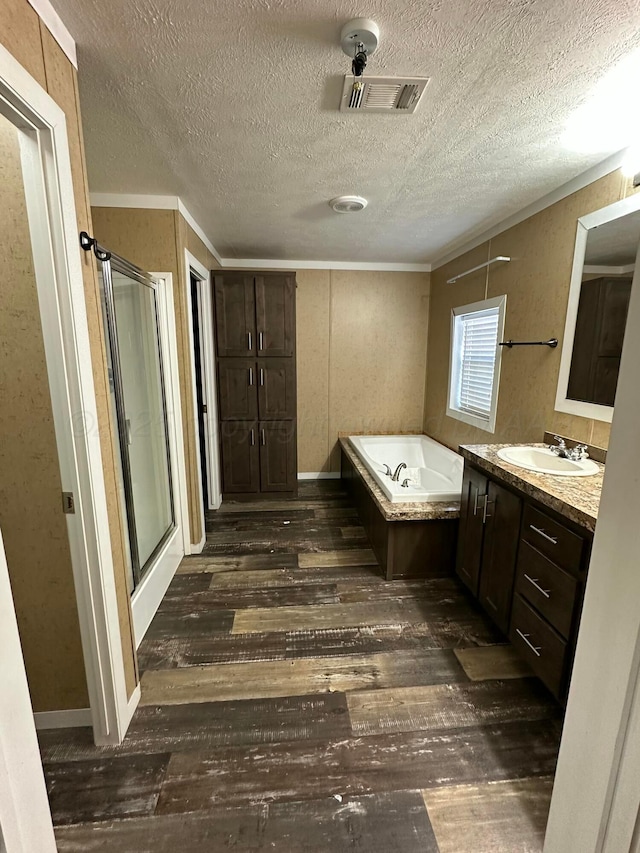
pixel 198 230
pixel 153 202
pixel 319 475
pixel 171 202
pixel 53 225
pixel 278 264
pixel 597 269
pixel 147 597
pixel 54 23
pixel 465 244
pixel 601 739
pixel 25 818
pixel 585 223
pixel 62 719
pixel 132 704
pixel 499 302
pixel 208 380
pixel 199 546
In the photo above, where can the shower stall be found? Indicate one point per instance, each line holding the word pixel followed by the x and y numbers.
pixel 139 405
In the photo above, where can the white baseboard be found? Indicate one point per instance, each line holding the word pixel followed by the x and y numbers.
pixel 199 546
pixel 63 719
pixel 319 475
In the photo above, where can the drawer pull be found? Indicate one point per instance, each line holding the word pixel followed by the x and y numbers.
pixel 543 534
pixel 253 439
pixel 535 649
pixel 261 376
pixel 533 582
pixel 260 341
pixel 251 376
pixel 249 341
pixel 475 502
pixel 485 514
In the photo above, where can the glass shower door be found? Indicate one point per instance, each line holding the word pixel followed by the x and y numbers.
pixel 129 299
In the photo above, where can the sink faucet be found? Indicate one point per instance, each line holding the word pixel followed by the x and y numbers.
pixel 576 454
pixel 396 475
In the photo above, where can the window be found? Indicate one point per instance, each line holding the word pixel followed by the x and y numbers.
pixel 474 372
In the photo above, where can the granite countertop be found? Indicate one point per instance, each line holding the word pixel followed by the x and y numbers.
pixel 576 498
pixel 414 511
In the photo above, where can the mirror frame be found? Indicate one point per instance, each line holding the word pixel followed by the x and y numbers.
pixel 585 223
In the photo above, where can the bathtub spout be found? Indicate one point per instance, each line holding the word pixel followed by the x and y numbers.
pixel 396 475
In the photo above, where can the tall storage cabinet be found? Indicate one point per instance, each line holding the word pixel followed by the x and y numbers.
pixel 255 337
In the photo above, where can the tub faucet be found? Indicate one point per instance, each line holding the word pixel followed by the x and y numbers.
pixel 396 475
pixel 387 470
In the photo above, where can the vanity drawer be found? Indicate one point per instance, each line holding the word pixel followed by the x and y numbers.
pixel 549 589
pixel 552 539
pixel 539 644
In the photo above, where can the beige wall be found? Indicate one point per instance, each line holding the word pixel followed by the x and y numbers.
pixel 49 623
pixel 536 282
pixel 361 348
pixel 155 240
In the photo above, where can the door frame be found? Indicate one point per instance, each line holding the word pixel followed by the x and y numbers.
pixel 148 595
pixel 25 815
pixel 209 385
pixel 56 253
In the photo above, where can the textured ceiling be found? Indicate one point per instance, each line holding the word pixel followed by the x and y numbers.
pixel 233 106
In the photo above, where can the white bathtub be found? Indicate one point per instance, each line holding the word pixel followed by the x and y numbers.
pixel 434 471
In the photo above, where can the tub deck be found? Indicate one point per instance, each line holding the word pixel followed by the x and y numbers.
pixel 408 539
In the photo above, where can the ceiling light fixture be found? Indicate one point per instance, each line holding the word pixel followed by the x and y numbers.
pixel 348 203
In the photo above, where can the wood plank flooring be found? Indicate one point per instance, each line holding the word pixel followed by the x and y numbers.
pixel 293 700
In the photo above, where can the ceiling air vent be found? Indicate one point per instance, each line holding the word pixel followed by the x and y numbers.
pixel 382 94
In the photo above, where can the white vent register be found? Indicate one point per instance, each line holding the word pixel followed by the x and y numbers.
pixel 382 94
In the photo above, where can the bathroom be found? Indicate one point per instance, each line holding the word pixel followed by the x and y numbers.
pixel 373 349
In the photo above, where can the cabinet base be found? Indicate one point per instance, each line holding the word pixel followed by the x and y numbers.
pixel 403 549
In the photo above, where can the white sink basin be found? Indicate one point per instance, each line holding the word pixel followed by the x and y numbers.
pixel 543 461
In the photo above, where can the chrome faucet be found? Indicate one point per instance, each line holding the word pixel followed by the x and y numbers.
pixel 387 470
pixel 396 475
pixel 576 454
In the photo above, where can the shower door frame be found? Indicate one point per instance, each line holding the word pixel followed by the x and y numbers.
pixel 168 553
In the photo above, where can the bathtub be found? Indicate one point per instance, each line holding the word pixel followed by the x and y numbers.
pixel 434 471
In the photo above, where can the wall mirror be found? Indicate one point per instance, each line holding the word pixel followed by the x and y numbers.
pixel 603 271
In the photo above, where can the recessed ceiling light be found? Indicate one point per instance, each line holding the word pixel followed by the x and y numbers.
pixel 348 203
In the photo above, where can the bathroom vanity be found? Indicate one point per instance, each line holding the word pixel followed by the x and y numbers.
pixel 524 545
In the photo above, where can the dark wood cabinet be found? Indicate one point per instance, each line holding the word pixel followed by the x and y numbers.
pixel 240 457
pixel 277 456
pixel 235 315
pixel 255 325
pixel 276 389
pixel 502 511
pixel 237 379
pixel 527 567
pixel 471 529
pixel 275 314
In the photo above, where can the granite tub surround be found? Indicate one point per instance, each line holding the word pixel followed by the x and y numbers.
pixel 575 498
pixel 398 511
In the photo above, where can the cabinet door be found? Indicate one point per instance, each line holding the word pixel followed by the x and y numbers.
pixel 278 460
pixel 235 315
pixel 237 378
pixel 499 552
pixel 276 388
pixel 275 314
pixel 240 456
pixel 471 530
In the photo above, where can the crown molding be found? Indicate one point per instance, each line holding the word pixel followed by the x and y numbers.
pixel 579 182
pixel 53 22
pixel 154 202
pixel 275 264
pixel 173 202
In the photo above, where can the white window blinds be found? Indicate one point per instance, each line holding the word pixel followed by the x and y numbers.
pixel 476 344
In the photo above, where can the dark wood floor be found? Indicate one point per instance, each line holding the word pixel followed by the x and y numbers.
pixel 292 700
